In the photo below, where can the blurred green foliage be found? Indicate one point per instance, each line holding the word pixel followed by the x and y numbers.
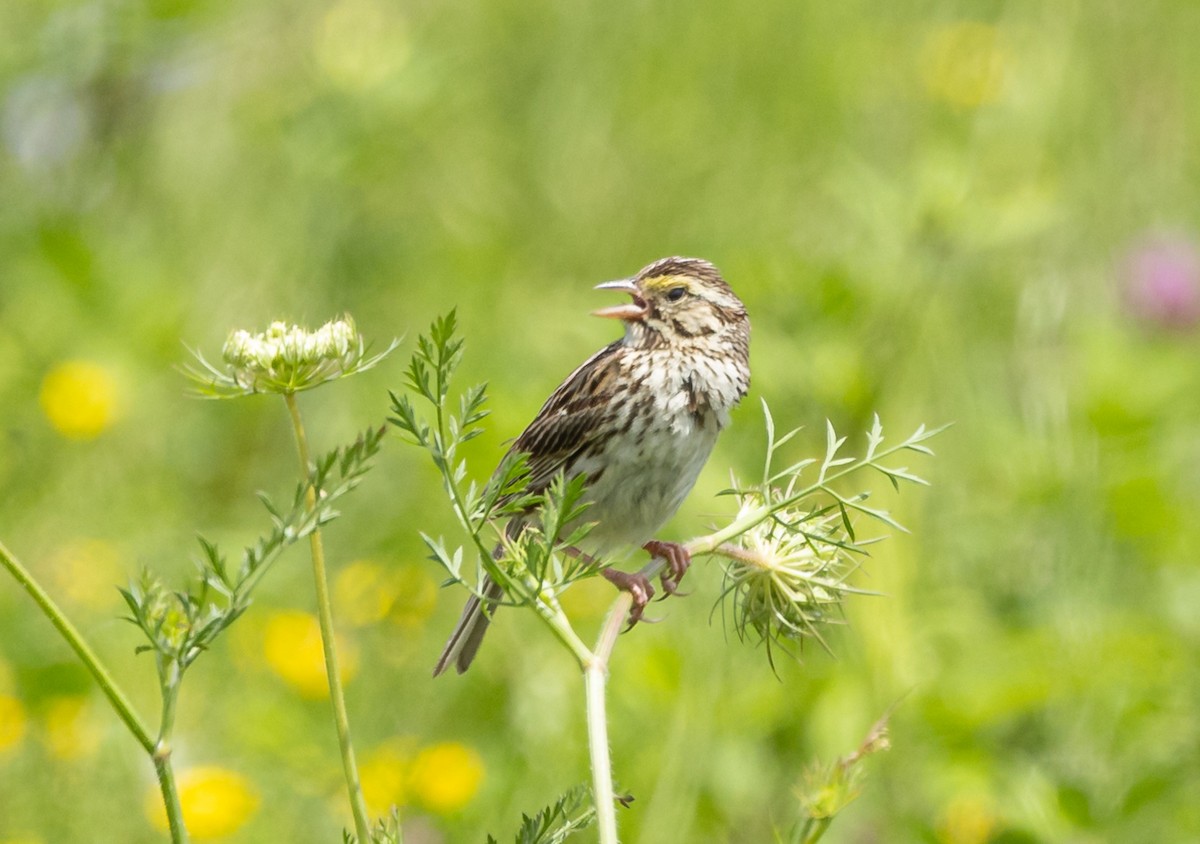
pixel 977 212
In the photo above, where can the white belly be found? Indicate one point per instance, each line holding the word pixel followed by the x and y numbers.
pixel 647 477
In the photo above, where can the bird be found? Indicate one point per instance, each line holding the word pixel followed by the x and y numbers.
pixel 638 419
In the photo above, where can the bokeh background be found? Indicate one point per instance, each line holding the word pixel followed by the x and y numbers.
pixel 983 213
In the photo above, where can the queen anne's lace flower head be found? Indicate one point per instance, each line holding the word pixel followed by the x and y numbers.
pixel 285 359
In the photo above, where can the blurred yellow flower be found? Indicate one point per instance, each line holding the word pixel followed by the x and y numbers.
pixel 215 802
pixel 80 399
pixel 360 43
pixel 444 777
pixel 12 722
pixel 69 732
pixel 384 774
pixel 967 819
pixel 416 596
pixel 366 593
pixel 292 646
pixel 964 64
pixel 363 593
pixel 84 572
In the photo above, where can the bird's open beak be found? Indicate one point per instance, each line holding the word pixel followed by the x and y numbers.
pixel 634 311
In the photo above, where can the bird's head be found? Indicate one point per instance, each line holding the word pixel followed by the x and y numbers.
pixel 675 300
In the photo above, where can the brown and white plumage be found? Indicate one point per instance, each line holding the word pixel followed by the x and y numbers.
pixel 639 418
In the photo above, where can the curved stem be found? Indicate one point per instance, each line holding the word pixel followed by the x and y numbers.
pixel 358 805
pixel 553 617
pixel 713 542
pixel 120 703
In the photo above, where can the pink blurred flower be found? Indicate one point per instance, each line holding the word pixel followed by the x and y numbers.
pixel 1162 282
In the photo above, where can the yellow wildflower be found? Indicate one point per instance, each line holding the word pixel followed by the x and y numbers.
pixel 384 774
pixel 363 593
pixel 445 777
pixel 12 722
pixel 964 64
pixel 79 399
pixel 84 570
pixel 416 597
pixel 292 646
pixel 69 732
pixel 215 802
pixel 968 819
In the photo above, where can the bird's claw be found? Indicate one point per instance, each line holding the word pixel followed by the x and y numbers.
pixel 637 585
pixel 678 561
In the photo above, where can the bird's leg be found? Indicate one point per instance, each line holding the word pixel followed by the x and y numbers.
pixel 678 560
pixel 636 584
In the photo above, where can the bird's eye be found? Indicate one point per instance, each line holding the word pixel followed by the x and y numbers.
pixel 675 294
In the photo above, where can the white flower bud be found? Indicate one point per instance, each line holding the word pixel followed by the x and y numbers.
pixel 286 359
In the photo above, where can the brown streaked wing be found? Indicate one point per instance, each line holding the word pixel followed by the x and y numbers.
pixel 571 419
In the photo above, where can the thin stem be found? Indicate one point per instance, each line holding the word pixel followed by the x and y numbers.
pixel 358 805
pixel 554 618
pixel 595 676
pixel 169 676
pixel 116 697
pixel 811 831
pixel 713 542
pixel 594 679
pixel 170 796
pixel 560 625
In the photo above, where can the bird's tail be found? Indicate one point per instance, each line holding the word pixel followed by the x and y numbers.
pixel 464 642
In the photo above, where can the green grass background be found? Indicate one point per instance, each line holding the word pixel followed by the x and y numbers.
pixel 936 236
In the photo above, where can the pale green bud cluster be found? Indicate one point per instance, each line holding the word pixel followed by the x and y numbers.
pixel 276 354
pixel 285 359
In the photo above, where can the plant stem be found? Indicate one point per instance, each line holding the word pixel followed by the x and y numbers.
pixel 358 805
pixel 812 830
pixel 553 617
pixel 595 679
pixel 169 677
pixel 713 542
pixel 120 703
pixel 595 676
pixel 170 796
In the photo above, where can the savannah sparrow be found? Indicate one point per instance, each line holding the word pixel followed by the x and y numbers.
pixel 639 419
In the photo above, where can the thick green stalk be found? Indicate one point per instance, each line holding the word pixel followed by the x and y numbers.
pixel 120 703
pixel 358 805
